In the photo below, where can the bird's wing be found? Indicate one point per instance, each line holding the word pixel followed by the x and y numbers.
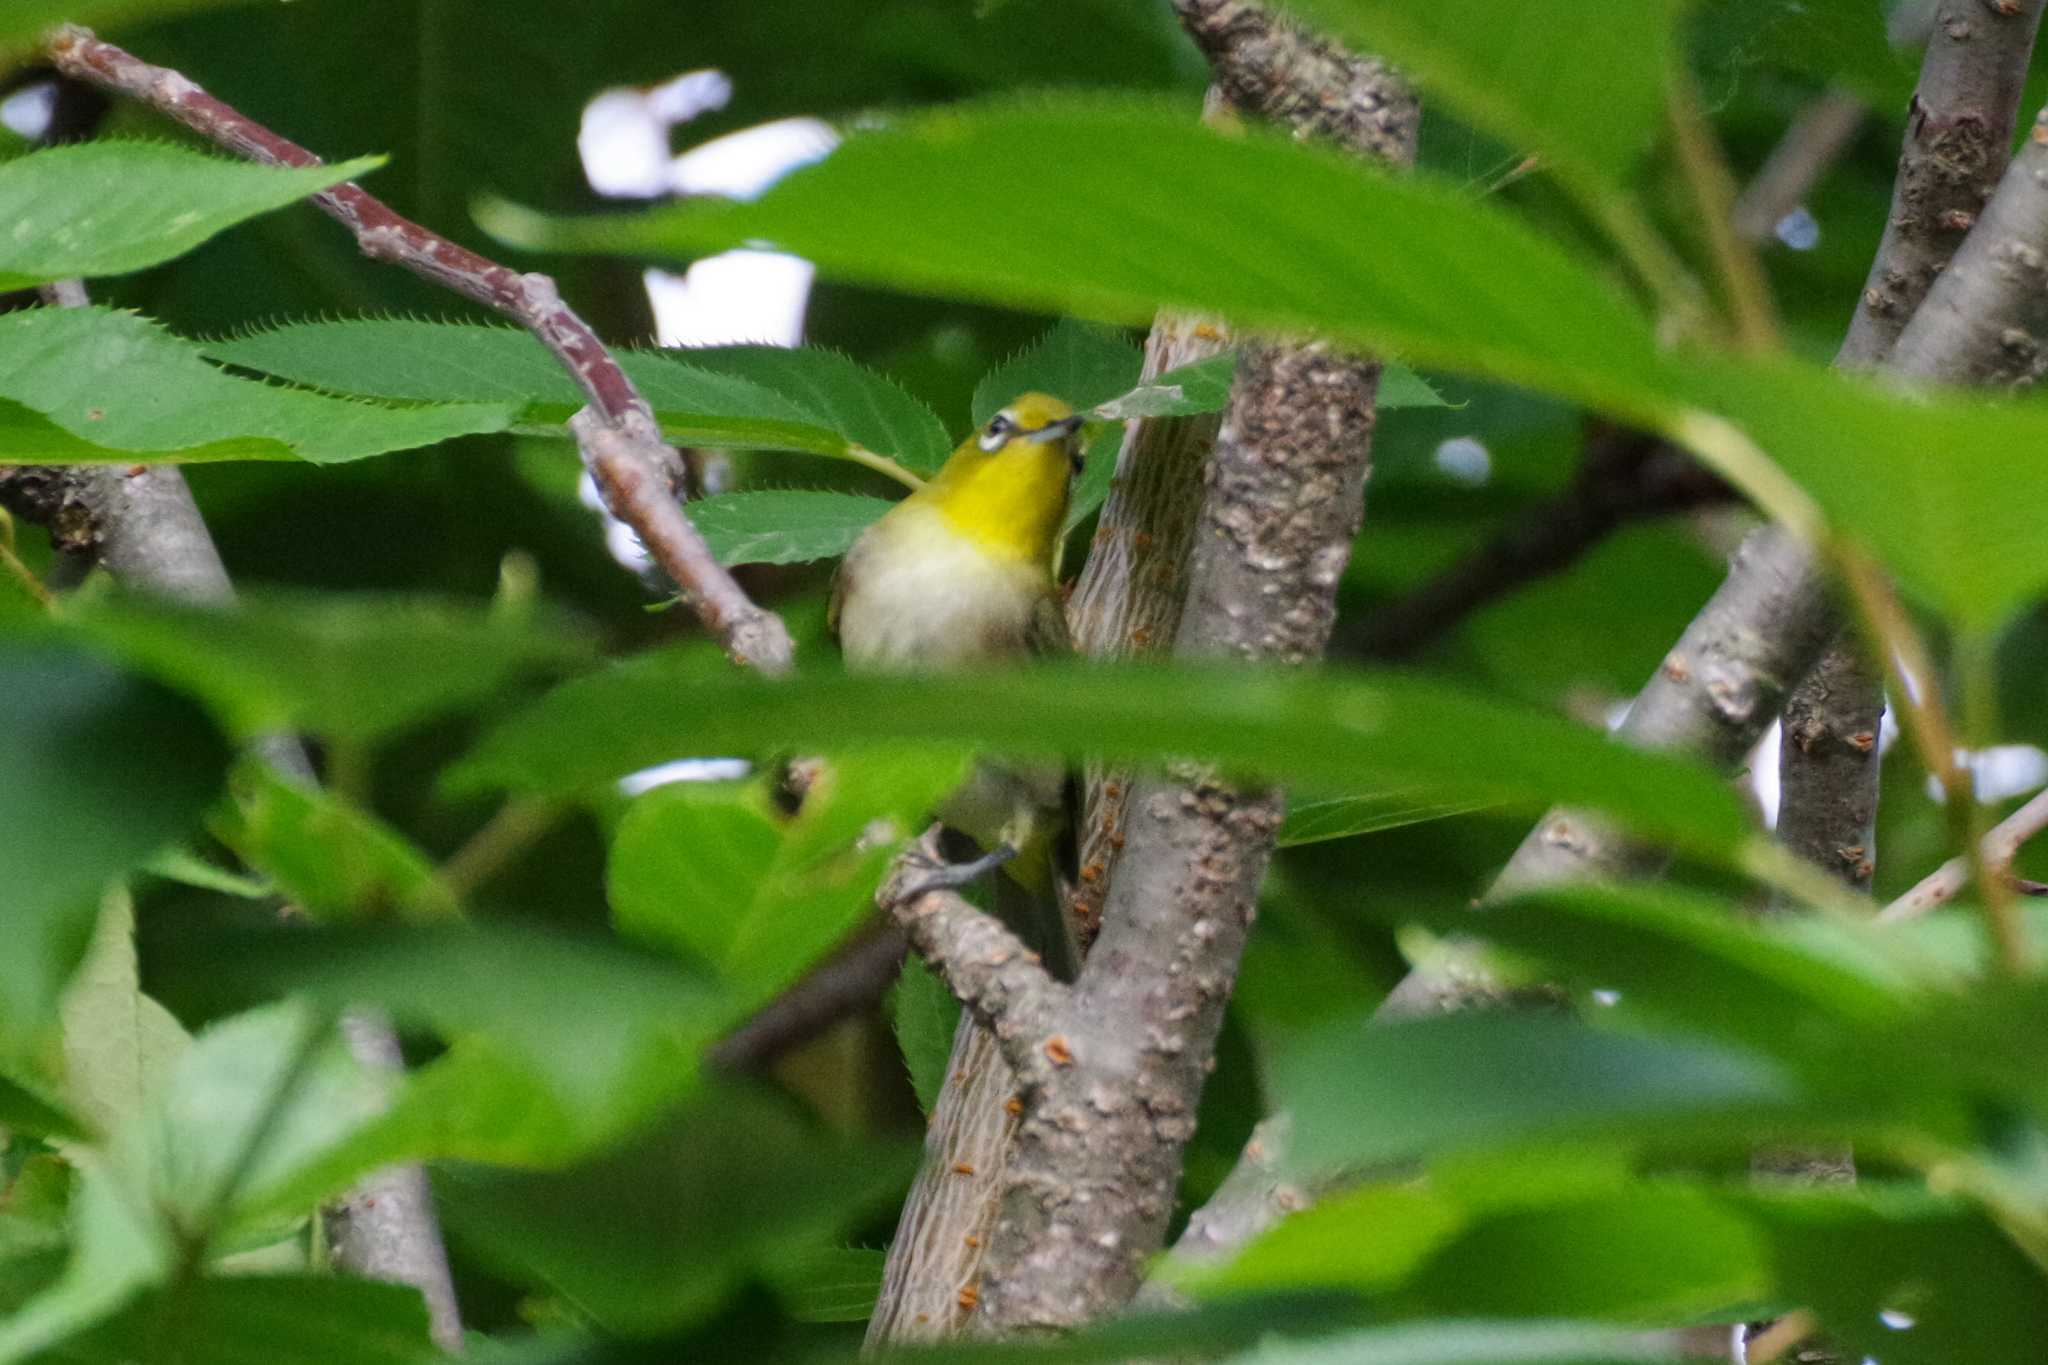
pixel 1046 637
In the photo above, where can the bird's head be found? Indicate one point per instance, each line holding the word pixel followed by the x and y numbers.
pixel 1007 483
pixel 1035 419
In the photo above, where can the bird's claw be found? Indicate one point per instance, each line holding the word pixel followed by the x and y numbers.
pixel 935 874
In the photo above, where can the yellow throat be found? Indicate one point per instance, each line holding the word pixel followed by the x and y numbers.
pixel 1005 488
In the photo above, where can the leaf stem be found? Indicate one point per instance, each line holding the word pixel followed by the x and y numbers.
pixel 500 839
pixel 882 464
pixel 11 562
pixel 1713 194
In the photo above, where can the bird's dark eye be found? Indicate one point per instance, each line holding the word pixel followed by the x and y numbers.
pixel 996 432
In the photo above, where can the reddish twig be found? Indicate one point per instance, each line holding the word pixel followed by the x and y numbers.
pixel 1998 849
pixel 617 434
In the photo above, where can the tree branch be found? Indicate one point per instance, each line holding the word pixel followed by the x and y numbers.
pixel 1958 138
pixel 1808 150
pixel 143 526
pixel 1998 849
pixel 1128 602
pixel 988 968
pixel 838 988
pixel 1828 765
pixel 1768 623
pixel 1624 477
pixel 1983 320
pixel 621 444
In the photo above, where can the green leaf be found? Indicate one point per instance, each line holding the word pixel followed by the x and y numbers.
pixel 1368 1240
pixel 1649 1252
pixel 260 1117
pixel 737 397
pixel 329 857
pixel 118 1248
pixel 79 806
pixel 342 666
pixel 1970 1293
pixel 118 1043
pixel 118 386
pixel 831 1284
pixel 845 397
pixel 714 870
pixel 275 1319
pixel 1692 962
pixel 1277 250
pixel 1202 386
pixel 925 1016
pixel 783 525
pixel 24 1110
pixel 1499 69
pixel 1319 819
pixel 1465 1342
pixel 1276 247
pixel 556 1045
pixel 107 208
pixel 1098 471
pixel 1401 387
pixel 1318 728
pixel 1831 41
pixel 1078 362
pixel 1955 530
pixel 607 1237
pixel 1405 1089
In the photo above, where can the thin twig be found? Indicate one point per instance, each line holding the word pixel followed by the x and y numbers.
pixel 142 525
pixel 1623 477
pixel 510 831
pixel 636 471
pixel 1995 852
pixel 844 985
pixel 1819 134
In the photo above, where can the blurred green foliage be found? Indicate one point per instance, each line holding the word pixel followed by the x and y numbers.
pixel 443 622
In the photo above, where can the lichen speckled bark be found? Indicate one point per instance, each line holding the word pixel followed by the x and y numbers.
pixel 1091 1184
pixel 1995 289
pixel 1828 766
pixel 1958 136
pixel 1129 601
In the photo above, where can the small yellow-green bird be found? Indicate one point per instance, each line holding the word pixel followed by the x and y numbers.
pixel 960 575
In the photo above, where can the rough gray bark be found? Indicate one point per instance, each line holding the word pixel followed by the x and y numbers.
pixel 1958 138
pixel 1828 766
pixel 1110 1069
pixel 1983 321
pixel 1129 601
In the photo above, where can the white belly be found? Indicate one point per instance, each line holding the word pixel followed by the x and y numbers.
pixel 920 597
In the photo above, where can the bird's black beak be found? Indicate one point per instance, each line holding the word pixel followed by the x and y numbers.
pixel 1060 431
pixel 1056 431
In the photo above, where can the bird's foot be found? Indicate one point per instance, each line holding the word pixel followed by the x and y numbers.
pixel 928 872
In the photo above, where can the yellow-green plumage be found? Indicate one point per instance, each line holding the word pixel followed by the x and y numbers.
pixel 960 575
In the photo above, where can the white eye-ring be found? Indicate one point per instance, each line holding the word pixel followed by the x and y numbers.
pixel 997 432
